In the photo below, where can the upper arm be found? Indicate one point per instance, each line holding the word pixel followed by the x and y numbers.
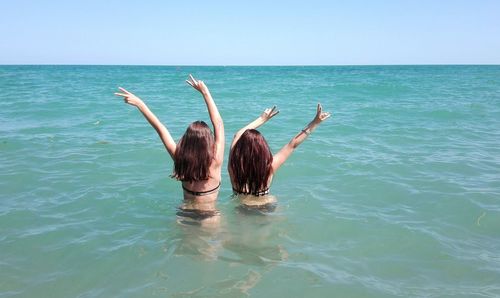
pixel 252 125
pixel 237 136
pixel 167 140
pixel 219 141
pixel 162 131
pixel 282 155
pixel 217 123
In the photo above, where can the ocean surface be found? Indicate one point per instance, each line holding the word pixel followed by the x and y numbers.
pixel 397 194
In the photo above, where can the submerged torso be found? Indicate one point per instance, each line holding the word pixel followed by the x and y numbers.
pixel 198 212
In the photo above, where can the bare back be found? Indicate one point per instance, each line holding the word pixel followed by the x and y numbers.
pixel 211 185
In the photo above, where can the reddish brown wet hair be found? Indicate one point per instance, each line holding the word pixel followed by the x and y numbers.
pixel 250 162
pixel 194 153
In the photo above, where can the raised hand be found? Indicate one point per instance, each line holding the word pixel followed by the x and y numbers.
pixel 269 113
pixel 129 98
pixel 320 115
pixel 197 84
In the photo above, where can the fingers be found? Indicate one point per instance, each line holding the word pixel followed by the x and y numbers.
pixel 271 112
pixel 319 108
pixel 274 112
pixel 320 114
pixel 123 89
pixel 193 80
pixel 125 94
pixel 194 83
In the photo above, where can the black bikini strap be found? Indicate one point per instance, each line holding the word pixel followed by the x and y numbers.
pixel 257 194
pixel 201 193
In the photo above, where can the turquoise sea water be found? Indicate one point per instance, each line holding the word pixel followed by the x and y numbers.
pixel 398 194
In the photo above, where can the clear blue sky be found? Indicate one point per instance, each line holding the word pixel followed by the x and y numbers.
pixel 306 32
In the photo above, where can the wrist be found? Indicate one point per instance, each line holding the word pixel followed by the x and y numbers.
pixel 311 126
pixel 315 122
pixel 141 105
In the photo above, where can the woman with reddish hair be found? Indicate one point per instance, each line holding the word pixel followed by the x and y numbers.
pixel 251 163
pixel 199 154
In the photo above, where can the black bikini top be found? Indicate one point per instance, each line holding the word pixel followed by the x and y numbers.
pixel 201 193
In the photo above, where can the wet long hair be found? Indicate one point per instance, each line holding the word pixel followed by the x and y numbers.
pixel 194 153
pixel 250 162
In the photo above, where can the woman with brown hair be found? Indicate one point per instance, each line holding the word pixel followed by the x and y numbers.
pixel 251 163
pixel 199 154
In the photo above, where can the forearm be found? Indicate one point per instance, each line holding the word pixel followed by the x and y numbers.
pixel 287 150
pixel 252 125
pixel 158 126
pixel 213 112
pixel 162 131
pixel 152 119
pixel 303 134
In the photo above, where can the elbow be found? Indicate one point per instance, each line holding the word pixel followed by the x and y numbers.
pixel 218 123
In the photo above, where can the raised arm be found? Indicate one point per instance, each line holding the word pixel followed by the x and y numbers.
pixel 263 118
pixel 162 131
pixel 214 117
pixel 285 152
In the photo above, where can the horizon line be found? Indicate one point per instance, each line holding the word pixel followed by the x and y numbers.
pixel 252 65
